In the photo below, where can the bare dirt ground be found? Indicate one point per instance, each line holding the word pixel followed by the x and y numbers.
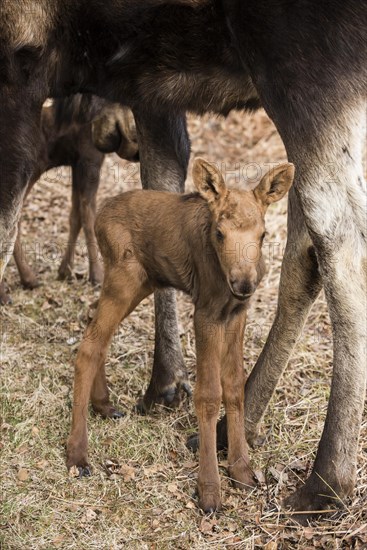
pixel 141 492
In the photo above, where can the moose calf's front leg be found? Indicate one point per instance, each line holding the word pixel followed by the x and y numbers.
pixel 207 398
pixel 233 377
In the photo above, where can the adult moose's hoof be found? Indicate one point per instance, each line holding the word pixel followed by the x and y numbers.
pixel 30 283
pixel 169 396
pixel 314 499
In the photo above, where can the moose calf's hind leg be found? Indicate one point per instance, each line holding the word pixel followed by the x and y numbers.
pixel 87 177
pixel 100 397
pixel 114 304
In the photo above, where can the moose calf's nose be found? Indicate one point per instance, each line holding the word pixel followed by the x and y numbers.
pixel 248 287
pixel 242 287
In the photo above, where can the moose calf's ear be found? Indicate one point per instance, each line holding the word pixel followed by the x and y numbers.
pixel 208 180
pixel 274 185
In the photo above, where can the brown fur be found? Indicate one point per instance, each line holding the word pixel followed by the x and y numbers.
pixel 152 240
pixel 80 144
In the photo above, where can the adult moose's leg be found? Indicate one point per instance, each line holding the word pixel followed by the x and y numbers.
pixel 300 284
pixel 19 139
pixel 164 154
pixel 28 277
pixel 335 209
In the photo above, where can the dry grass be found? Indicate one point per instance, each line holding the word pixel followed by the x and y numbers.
pixel 140 494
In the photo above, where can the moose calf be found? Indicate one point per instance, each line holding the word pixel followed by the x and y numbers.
pixel 77 133
pixel 207 244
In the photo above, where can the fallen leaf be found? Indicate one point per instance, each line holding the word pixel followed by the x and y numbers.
pixel 127 472
pixel 260 476
pixel 89 516
pixel 58 540
pixel 308 533
pixel 155 523
pixel 190 464
pixel 42 464
pixel 207 525
pixel 271 545
pixel 74 471
pixel 23 474
pixel 190 505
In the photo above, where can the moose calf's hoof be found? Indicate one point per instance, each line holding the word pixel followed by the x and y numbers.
pixel 242 475
pixel 84 471
pixel 209 499
pixel 108 411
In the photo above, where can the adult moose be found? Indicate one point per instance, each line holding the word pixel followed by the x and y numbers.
pixel 305 62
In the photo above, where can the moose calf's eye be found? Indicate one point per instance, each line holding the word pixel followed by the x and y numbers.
pixel 219 235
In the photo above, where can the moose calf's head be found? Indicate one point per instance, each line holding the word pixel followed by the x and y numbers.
pixel 237 224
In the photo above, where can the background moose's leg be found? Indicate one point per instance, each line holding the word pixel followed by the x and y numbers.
pixel 232 379
pixel 87 177
pixel 207 398
pixel 164 154
pixel 120 294
pixel 75 224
